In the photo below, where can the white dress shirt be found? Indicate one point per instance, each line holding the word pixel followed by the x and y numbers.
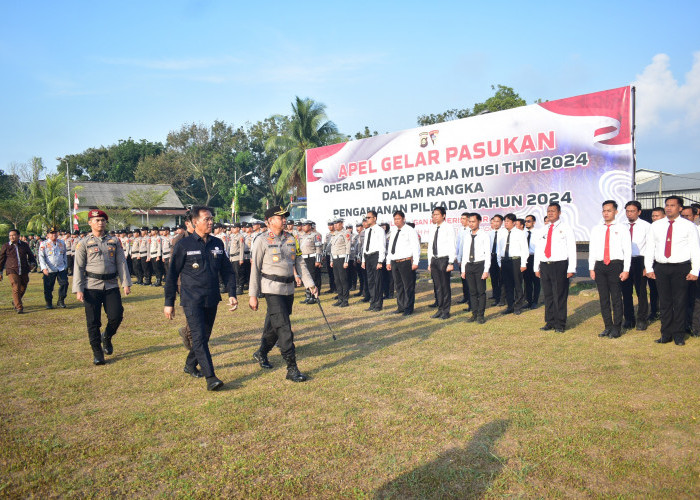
pixel 482 250
pixel 376 238
pixel 685 244
pixel 462 233
pixel 446 244
pixel 517 246
pixel 639 236
pixel 492 236
pixel 563 246
pixel 620 245
pixel 532 240
pixel 407 244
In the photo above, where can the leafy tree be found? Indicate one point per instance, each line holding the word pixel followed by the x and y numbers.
pixel 366 133
pixel 16 209
pixel 145 200
pixel 166 168
pixel 115 163
pixel 50 203
pixel 308 128
pixel 503 98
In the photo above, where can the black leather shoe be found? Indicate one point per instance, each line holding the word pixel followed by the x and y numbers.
pixel 295 375
pixel 507 311
pixel 641 326
pixel 434 304
pixel 407 313
pixel 462 301
pixel 558 330
pixel 680 342
pixel 194 372
pixel 628 324
pixel 337 303
pixel 20 310
pixel 501 304
pixel 358 294
pixel 604 333
pixel 370 309
pixel 99 359
pixel 365 300
pixel 107 344
pixel 546 328
pixel 445 316
pixel 517 312
pixel 481 320
pixel 662 341
pixel 262 360
pixel 312 300
pixel 61 304
pixel 377 309
pixel 344 304
pixel 693 333
pixel 471 319
pixel 436 315
pixel 214 384
pixel 615 333
pixel 49 305
pixel 398 311
pixel 652 317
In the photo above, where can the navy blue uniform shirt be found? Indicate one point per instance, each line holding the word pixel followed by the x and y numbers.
pixel 199 265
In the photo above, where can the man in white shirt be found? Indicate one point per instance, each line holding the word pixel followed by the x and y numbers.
pixel 498 292
pixel 657 213
pixel 609 257
pixel 476 260
pixel 512 259
pixel 462 233
pixel 672 258
pixel 532 282
pixel 637 282
pixel 373 255
pixel 402 260
pixel 555 264
pixel 441 255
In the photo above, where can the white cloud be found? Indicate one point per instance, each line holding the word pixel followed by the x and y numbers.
pixel 663 104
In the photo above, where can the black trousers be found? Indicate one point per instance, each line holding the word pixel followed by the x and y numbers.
pixel 341 279
pixel 158 270
pixel 278 327
pixel 94 301
pixel 512 280
pixel 405 281
pixel 138 269
pixel 607 280
pixel 441 282
pixel 495 273
pixel 465 291
pixel 314 271
pixel 130 265
pixel 200 321
pixel 147 270
pixel 638 283
pixel 555 286
pixel 361 275
pixel 695 320
pixel 653 297
pixel 387 283
pixel 673 296
pixel 236 265
pixel 532 283
pixel 71 262
pixel 374 280
pixel 50 282
pixel 331 274
pixel 166 267
pixel 477 287
pixel 245 273
pixel 352 274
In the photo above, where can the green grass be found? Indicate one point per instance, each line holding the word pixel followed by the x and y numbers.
pixel 395 408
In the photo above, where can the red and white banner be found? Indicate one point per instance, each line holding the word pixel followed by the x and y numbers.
pixel 576 151
pixel 75 213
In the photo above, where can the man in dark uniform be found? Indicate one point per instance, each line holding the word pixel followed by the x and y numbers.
pixel 276 260
pixel 200 260
pixel 99 259
pixel 53 260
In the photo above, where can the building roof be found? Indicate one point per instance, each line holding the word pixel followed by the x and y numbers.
pixel 113 194
pixel 671 182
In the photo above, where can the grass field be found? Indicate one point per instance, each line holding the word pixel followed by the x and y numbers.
pixel 395 408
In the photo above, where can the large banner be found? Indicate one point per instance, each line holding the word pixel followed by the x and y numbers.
pixel 575 151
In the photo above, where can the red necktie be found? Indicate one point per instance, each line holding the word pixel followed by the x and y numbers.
pixel 631 230
pixel 669 236
pixel 606 250
pixel 548 246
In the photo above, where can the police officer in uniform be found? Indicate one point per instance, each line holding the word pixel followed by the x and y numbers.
pixel 340 256
pixel 144 245
pixel 276 260
pixel 236 249
pixel 99 259
pixel 166 250
pixel 155 256
pixel 328 258
pixel 136 257
pixel 199 260
pixel 311 245
pixel 54 263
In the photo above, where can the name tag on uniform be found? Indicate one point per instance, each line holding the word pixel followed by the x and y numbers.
pixel 216 251
pixel 194 252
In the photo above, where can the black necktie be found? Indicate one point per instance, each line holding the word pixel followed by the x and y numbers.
pixel 495 240
pixel 435 252
pixel 471 249
pixel 369 237
pixel 506 254
pixel 393 246
pixel 529 233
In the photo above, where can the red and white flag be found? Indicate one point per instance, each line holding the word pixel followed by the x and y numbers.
pixel 75 213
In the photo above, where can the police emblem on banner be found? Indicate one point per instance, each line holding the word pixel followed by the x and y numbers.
pixel 423 139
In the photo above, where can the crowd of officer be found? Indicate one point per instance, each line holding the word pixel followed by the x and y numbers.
pixel 378 260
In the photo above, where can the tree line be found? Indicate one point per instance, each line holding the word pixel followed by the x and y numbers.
pixel 262 163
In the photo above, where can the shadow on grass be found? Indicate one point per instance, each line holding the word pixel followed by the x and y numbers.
pixel 456 473
pixel 583 313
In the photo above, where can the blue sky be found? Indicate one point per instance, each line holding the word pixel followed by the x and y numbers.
pixel 83 74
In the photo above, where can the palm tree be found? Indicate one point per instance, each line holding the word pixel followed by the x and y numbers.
pixel 307 128
pixel 51 204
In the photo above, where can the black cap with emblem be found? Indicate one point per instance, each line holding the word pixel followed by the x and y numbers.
pixel 271 212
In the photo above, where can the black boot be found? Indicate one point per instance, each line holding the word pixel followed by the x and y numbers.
pixel 61 303
pixel 98 356
pixel 293 372
pixel 261 357
pixel 49 305
pixel 107 343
